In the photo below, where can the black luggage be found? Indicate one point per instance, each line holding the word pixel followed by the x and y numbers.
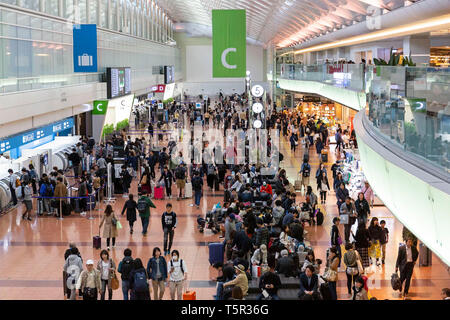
pixel 97 242
pixel 325 291
pixel 66 209
pixel 324 156
pixel 424 256
pixel 319 218
pixel 75 203
pixel 395 282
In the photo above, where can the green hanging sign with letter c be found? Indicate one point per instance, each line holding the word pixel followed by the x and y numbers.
pixel 229 43
pixel 100 107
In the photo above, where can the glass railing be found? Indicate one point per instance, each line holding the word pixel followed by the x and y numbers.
pixel 10 85
pixel 408 105
pixel 349 76
pixel 411 106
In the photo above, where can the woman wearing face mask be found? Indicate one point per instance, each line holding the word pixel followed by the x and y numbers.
pixel 177 274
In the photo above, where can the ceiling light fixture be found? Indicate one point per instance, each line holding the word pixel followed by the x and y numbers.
pixel 417 27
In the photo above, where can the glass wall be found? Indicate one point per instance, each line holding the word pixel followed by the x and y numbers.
pixel 36 51
pixel 133 15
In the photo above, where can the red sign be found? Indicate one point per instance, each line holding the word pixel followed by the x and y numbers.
pixel 159 88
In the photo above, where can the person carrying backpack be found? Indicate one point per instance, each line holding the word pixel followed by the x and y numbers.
pixel 45 191
pixel 73 267
pixel 138 281
pixel 125 268
pixel 197 185
pixel 143 205
pixel 180 176
pixel 177 275
pixel 305 171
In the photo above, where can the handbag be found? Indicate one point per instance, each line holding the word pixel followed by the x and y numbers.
pixel 118 225
pixel 330 275
pixel 114 282
pixel 114 222
pixel 344 218
pixel 352 271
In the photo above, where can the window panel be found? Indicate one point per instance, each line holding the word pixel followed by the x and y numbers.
pixel 93 7
pixel 51 7
pixel 31 4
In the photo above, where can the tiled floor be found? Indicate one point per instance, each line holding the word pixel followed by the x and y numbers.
pixel 31 253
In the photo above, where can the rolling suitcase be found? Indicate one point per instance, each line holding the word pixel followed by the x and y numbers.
pixel 395 282
pixel 319 217
pixel 215 252
pixel 424 256
pixel 189 295
pixel 97 242
pixel 324 156
pixel 66 209
pixel 188 190
pixel 159 193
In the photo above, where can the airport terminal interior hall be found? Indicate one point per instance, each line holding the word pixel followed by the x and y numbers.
pixel 224 150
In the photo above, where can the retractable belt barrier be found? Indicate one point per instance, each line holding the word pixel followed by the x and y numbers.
pixel 60 201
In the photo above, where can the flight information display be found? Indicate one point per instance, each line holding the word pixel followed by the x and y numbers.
pixel 118 82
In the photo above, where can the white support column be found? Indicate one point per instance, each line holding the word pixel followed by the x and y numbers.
pixel 418 47
pixel 60 8
pixel 99 14
pixel 42 5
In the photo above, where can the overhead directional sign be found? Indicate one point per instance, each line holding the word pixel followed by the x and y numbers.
pixel 229 43
pixel 85 48
pixel 100 107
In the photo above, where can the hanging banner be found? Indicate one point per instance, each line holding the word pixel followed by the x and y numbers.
pixel 229 43
pixel 100 107
pixel 84 48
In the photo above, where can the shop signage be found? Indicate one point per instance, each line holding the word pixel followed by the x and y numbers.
pixel 36 134
pixel 257 91
pixel 85 48
pixel 100 107
pixel 229 43
pixel 159 88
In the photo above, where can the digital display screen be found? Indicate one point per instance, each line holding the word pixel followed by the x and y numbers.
pixel 118 82
pixel 169 74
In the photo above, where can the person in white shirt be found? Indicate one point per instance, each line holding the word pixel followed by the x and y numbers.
pixel 177 275
pixel 12 185
pixel 368 193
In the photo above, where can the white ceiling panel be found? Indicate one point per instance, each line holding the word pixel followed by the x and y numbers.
pixel 284 22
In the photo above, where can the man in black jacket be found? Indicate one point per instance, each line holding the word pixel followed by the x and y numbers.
pixel 285 265
pixel 242 242
pixel 406 259
pixel 74 157
pixel 270 282
pixel 309 283
pixel 197 186
pixel 169 223
pixel 262 234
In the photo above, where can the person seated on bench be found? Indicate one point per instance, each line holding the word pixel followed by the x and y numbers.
pixel 241 280
pixel 270 282
pixel 309 284
pixel 285 264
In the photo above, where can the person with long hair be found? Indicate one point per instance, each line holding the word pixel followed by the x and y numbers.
pixel 107 268
pixel 131 206
pixel 362 244
pixel 110 229
pixel 375 234
pixel 157 272
pixel 138 281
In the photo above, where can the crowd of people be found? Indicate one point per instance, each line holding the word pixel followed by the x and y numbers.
pixel 263 224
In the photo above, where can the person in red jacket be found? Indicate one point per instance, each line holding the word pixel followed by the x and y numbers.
pixel 267 188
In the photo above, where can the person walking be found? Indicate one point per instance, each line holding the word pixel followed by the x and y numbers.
pixel 333 262
pixel 131 206
pixel 169 223
pixel 197 185
pixel 362 239
pixel 110 229
pixel 167 177
pixel 177 275
pixel 406 260
pixel 348 211
pixel 107 268
pixel 89 283
pixel 180 176
pixel 336 239
pixel 157 272
pixel 27 191
pixel 375 234
pixel 384 240
pixel 351 262
pixel 323 187
pixel 73 266
pixel 305 172
pixel 138 281
pixel 125 268
pixel 143 205
pixel 359 292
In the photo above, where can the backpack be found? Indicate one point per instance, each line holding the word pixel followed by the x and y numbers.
pixel 306 170
pixel 179 173
pixel 127 267
pixel 140 281
pixel 48 190
pixel 181 265
pixel 196 183
pixel 142 205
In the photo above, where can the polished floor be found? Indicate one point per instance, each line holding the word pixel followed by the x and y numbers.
pixel 31 253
